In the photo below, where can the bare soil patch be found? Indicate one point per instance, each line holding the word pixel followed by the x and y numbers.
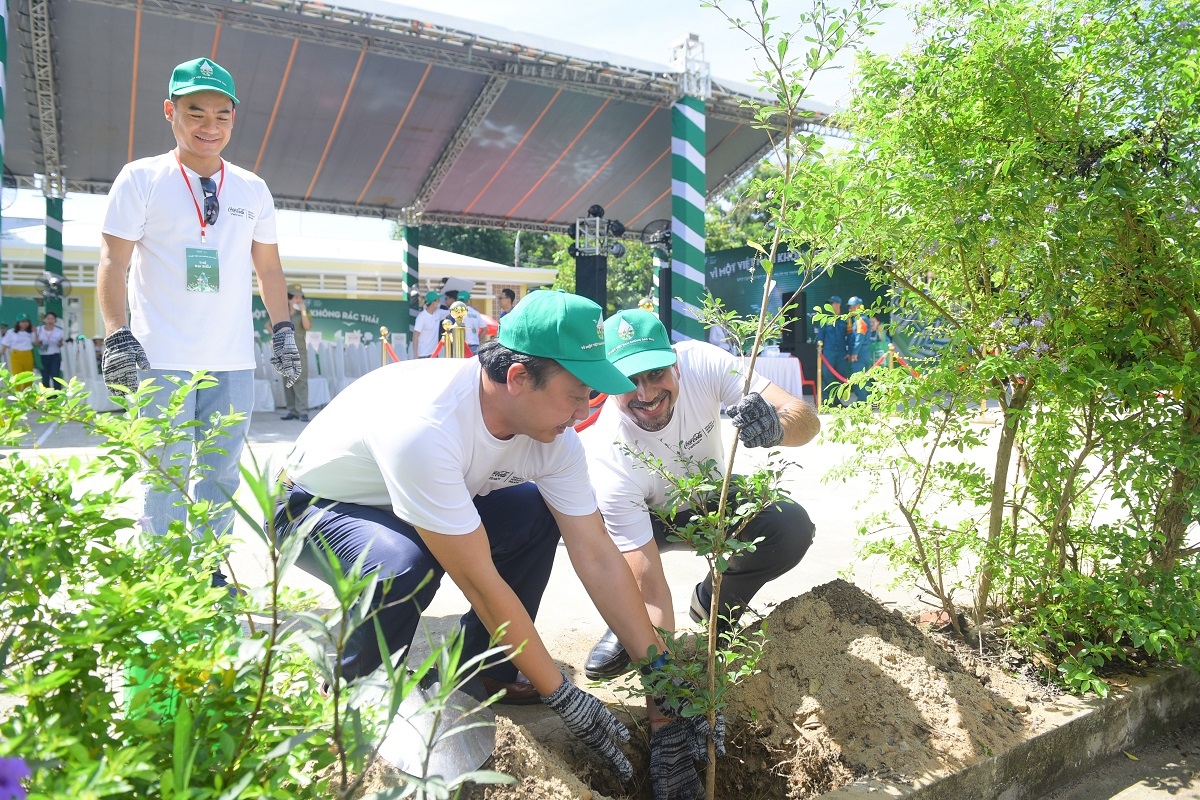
pixel 848 689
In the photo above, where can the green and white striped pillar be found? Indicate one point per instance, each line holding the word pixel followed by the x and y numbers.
pixel 687 217
pixel 3 73
pixel 411 233
pixel 53 250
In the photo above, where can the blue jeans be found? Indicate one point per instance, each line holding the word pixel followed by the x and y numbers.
pixel 218 477
pixel 521 531
pixel 51 370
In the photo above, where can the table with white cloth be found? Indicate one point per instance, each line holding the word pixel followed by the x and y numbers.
pixel 783 371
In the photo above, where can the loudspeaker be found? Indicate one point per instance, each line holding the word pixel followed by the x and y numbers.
pixel 591 278
pixel 795 326
pixel 664 295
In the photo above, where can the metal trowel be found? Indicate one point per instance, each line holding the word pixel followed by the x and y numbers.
pixel 455 752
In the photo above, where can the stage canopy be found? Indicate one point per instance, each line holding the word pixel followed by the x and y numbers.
pixel 373 110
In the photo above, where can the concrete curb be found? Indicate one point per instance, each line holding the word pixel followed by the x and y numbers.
pixel 1164 700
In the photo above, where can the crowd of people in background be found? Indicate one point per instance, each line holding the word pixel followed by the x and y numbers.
pixel 24 347
pixel 849 345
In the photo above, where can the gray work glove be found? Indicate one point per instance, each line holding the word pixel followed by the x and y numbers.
pixel 285 358
pixel 697 727
pixel 757 421
pixel 672 704
pixel 123 357
pixel 592 724
pixel 672 763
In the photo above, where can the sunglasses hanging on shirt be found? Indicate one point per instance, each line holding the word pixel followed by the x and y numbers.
pixel 212 207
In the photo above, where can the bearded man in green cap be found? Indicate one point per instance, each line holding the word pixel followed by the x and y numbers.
pixel 673 411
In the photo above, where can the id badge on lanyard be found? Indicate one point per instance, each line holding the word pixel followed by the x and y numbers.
pixel 203 263
pixel 203 269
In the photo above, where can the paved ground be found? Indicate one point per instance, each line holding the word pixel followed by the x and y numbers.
pixel 1167 767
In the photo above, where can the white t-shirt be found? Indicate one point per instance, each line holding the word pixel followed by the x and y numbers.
pixel 150 204
pixel 625 487
pixel 430 328
pixel 49 341
pixel 410 437
pixel 473 323
pixel 18 340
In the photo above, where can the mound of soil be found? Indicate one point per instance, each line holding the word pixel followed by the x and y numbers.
pixel 847 689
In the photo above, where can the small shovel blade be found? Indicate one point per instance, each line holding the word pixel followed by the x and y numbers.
pixel 412 730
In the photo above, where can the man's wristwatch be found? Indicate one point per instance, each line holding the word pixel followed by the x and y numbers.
pixel 281 325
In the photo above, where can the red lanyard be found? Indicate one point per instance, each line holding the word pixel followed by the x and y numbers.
pixel 195 202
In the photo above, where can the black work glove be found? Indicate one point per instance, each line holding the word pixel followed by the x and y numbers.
pixel 285 358
pixel 757 421
pixel 123 357
pixel 592 724
pixel 672 763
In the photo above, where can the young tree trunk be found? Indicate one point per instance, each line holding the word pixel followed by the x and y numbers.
pixel 1013 417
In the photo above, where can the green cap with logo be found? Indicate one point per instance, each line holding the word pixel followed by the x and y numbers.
pixel 201 75
pixel 569 329
pixel 432 296
pixel 636 341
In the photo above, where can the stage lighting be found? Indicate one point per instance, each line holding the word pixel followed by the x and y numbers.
pixel 617 249
pixel 616 228
pixel 596 210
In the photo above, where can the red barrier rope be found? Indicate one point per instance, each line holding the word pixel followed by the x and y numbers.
pixel 438 349
pixel 387 346
pixel 836 374
pixel 597 403
pixel 882 358
pixel 900 358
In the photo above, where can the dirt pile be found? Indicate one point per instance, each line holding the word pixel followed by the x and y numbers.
pixel 847 689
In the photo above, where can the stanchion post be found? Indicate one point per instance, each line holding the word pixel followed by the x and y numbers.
pixel 820 372
pixel 446 347
pixel 383 338
pixel 891 355
pixel 458 332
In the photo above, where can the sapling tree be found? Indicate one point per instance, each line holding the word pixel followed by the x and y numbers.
pixel 720 503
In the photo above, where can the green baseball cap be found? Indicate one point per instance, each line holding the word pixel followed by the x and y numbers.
pixel 432 296
pixel 201 75
pixel 569 329
pixel 464 297
pixel 636 341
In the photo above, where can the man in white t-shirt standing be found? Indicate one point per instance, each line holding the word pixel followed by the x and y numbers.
pixel 676 408
pixel 427 328
pixel 473 322
pixel 187 228
pixel 472 468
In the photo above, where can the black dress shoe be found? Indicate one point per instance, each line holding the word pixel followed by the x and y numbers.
pixel 304 417
pixel 518 693
pixel 608 658
pixel 289 415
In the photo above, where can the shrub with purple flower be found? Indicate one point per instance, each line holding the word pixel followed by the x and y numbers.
pixel 12 772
